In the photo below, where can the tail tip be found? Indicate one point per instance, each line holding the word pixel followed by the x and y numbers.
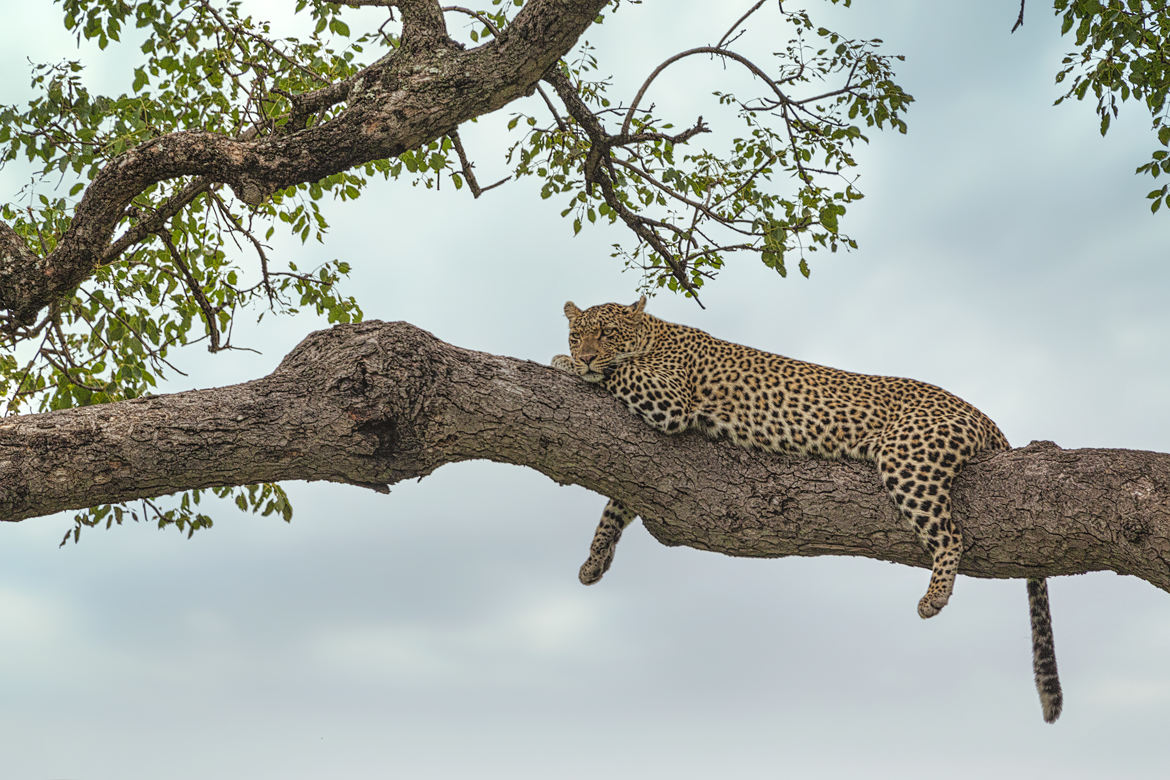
pixel 1052 708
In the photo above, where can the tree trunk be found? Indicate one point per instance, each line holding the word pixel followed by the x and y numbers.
pixel 376 403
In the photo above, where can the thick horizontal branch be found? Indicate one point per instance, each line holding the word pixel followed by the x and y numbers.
pixel 411 96
pixel 376 403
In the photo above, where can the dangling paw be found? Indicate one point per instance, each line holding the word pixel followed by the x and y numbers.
pixel 932 603
pixel 595 566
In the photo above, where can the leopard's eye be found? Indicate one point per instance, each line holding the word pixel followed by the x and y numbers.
pixel 607 331
pixel 574 338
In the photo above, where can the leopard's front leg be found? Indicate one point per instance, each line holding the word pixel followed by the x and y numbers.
pixel 614 518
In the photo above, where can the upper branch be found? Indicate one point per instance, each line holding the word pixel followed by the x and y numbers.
pixel 781 98
pixel 598 171
pixel 376 403
pixel 407 98
pixel 422 23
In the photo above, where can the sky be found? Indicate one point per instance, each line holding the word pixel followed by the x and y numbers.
pixel 1006 253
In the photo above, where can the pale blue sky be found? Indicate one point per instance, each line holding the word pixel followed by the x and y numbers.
pixel 1007 254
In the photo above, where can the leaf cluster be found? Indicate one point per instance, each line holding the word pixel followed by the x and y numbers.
pixel 778 188
pixel 204 260
pixel 263 499
pixel 1124 54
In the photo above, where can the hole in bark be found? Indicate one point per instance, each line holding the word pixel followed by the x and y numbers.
pixel 1134 531
pixel 385 435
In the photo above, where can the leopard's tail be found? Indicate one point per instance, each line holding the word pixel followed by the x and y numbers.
pixel 1044 650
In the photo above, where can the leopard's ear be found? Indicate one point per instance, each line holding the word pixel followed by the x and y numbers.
pixel 571 311
pixel 635 309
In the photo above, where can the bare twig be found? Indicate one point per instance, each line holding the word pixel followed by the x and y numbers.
pixel 740 21
pixel 209 312
pixel 10 406
pixel 1019 19
pixel 239 228
pixel 468 173
pixel 678 138
pixel 599 152
pixel 642 173
pixel 716 50
pixel 153 353
pixel 46 355
pixel 63 348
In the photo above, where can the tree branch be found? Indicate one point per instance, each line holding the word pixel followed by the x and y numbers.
pixel 781 98
pixel 599 155
pixel 405 99
pixel 468 169
pixel 150 223
pixel 376 403
pixel 422 23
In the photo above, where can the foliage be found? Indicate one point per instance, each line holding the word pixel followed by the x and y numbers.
pixel 263 499
pixel 1124 54
pixel 188 280
pixel 781 187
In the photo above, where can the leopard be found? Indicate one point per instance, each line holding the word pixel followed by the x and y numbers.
pixel 678 378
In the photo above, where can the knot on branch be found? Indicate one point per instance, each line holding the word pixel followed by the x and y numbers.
pixel 253 192
pixel 369 343
pixel 385 383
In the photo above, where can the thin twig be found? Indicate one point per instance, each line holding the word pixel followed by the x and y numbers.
pixel 226 212
pixel 209 313
pixel 678 138
pixel 155 220
pixel 740 21
pixel 644 174
pixel 10 406
pixel 468 174
pixel 754 68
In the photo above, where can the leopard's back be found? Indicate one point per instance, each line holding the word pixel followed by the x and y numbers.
pixel 687 378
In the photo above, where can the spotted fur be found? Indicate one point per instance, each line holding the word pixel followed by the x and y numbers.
pixel 677 378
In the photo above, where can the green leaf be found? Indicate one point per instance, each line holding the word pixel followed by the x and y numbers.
pixel 829 219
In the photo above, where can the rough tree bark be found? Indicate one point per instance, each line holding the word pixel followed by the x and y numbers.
pixel 376 403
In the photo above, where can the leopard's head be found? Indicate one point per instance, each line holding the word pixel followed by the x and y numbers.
pixel 603 337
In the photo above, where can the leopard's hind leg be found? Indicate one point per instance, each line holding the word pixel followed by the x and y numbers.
pixel 917 464
pixel 614 519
